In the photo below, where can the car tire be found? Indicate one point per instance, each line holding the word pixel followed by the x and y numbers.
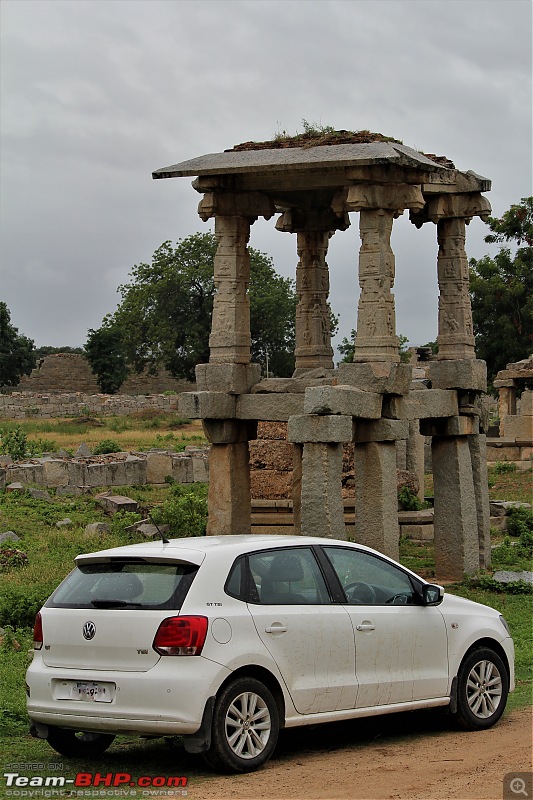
pixel 245 727
pixel 78 743
pixel 482 689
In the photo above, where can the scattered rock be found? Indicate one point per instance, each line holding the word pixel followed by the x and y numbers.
pixel 16 486
pixel 83 451
pixel 9 536
pixel 39 494
pixel 61 453
pixel 96 527
pixel 116 502
pixel 506 576
pixel 68 491
pixel 64 523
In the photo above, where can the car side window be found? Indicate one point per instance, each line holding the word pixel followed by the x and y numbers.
pixel 369 580
pixel 290 576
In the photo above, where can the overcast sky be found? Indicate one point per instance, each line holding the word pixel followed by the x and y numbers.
pixel 96 94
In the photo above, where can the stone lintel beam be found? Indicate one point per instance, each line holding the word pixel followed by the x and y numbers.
pixel 229 378
pixel 249 205
pixel 394 197
pixel 468 374
pixel 393 174
pixel 422 404
pixel 207 405
pixel 299 220
pixel 380 430
pixel 452 206
pixel 507 383
pixel 383 377
pixel 314 428
pixel 346 400
pixel 276 407
pixel 229 431
pixel 455 182
pixel 451 426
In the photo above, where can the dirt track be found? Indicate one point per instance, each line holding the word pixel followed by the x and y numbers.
pixel 401 757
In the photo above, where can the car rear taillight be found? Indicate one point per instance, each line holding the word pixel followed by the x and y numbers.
pixel 38 632
pixel 181 636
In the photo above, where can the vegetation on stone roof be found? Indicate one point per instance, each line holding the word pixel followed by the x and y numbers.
pixel 318 135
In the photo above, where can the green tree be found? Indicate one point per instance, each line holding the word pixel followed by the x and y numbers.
pixel 104 351
pixel 17 352
pixel 501 289
pixel 164 318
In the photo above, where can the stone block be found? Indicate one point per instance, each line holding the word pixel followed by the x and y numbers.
pixel 68 491
pixel 182 469
pixel 422 404
pixel 526 403
pixel 55 472
pixel 381 430
pixel 225 431
pixel 470 374
pixel 519 429
pixel 420 533
pixel 316 428
pixel 118 474
pixel 95 528
pixel 116 502
pixel 39 494
pixel 97 475
pixel 271 407
pixel 26 473
pixel 2 478
pixel 158 466
pixel 207 405
pixel 200 469
pixel 383 377
pixel 450 426
pixel 77 473
pixel 15 486
pixel 229 378
pixel 346 400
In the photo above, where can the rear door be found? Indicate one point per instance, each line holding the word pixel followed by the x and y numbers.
pixel 310 639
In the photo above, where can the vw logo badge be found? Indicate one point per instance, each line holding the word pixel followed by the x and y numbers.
pixel 89 629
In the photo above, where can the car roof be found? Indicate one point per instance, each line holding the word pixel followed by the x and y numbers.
pixel 195 548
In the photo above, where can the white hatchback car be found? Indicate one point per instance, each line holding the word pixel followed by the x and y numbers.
pixel 225 640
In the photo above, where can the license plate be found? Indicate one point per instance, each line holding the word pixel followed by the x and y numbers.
pixel 85 691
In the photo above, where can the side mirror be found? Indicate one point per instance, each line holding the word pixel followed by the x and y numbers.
pixel 432 594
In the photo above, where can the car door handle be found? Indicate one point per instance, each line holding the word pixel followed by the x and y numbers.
pixel 276 627
pixel 365 626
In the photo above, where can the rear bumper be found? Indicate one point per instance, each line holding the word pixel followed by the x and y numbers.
pixel 168 699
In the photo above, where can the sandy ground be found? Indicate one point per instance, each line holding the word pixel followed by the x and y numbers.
pixel 401 757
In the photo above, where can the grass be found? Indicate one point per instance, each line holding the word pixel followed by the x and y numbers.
pixel 138 431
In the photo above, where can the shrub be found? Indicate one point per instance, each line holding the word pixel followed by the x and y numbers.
pixel 13 442
pixel 185 511
pixel 520 525
pixel 106 446
pixel 503 467
pixel 19 605
pixel 409 501
pixel 11 557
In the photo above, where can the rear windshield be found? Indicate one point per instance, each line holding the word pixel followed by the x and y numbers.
pixel 125 584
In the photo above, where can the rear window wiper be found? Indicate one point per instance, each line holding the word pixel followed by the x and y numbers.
pixel 114 604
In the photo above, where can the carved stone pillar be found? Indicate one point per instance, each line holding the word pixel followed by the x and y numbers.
pixel 313 336
pixel 456 334
pixel 379 205
pixel 376 338
pixel 313 227
pixel 451 212
pixel 506 404
pixel 230 340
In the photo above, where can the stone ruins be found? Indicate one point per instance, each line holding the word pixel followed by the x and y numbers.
pixel 374 401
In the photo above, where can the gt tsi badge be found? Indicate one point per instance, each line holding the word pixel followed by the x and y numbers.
pixel 89 630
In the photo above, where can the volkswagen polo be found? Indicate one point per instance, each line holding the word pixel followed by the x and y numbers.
pixel 226 640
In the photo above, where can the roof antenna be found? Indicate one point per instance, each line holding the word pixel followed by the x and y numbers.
pixel 154 523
